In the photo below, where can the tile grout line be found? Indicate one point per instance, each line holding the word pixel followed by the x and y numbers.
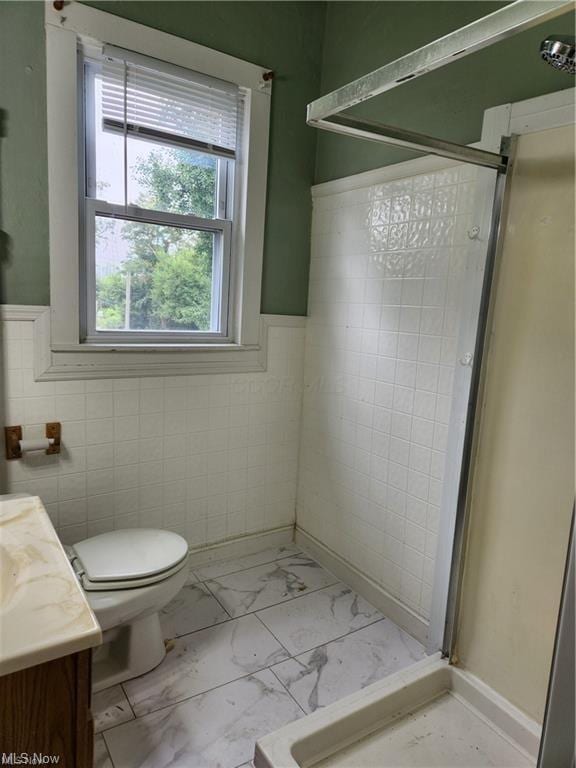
pixel 274 636
pixel 128 700
pixel 294 656
pixel 208 690
pixel 207 588
pixel 251 613
pixel 201 693
pixel 174 704
pixel 240 616
pixel 292 597
pixel 300 707
pixel 107 750
pixel 260 565
pixel 240 570
pixel 256 613
pixel 208 626
pixel 291 657
pixel 251 674
pixel 190 698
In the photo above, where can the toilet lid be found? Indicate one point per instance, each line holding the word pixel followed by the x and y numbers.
pixel 130 554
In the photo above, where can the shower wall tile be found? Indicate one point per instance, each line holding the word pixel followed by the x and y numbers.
pixel 385 280
pixel 210 457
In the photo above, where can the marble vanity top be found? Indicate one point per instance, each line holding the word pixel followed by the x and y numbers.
pixel 44 613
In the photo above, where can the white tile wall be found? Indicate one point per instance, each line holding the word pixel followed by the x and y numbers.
pixel 211 457
pixel 386 277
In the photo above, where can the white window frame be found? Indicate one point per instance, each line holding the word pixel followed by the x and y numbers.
pixel 69 354
pixel 220 228
pixel 220 225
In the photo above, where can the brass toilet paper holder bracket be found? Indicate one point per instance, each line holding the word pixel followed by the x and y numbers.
pixel 16 446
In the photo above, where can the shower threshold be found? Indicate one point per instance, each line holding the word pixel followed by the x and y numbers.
pixel 432 715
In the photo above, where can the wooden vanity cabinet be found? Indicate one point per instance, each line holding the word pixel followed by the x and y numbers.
pixel 46 709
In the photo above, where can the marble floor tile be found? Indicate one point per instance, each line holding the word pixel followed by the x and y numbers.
pixel 204 660
pixel 318 618
pixel 224 567
pixel 332 671
pixel 193 608
pixel 217 729
pixel 213 696
pixel 101 756
pixel 265 585
pixel 110 707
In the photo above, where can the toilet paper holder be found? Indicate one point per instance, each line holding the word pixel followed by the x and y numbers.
pixel 16 446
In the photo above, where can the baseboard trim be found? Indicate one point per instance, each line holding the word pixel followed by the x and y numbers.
pixel 243 545
pixel 364 585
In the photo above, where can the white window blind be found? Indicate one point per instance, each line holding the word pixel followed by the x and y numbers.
pixel 159 101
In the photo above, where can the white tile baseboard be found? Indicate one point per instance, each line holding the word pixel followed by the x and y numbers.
pixel 392 608
pixel 241 546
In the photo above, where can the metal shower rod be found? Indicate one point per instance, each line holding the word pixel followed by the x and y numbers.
pixel 325 112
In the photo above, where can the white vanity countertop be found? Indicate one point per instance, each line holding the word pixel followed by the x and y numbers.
pixel 44 613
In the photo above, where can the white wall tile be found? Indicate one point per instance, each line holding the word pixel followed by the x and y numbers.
pixel 70 407
pixel 99 431
pixel 99 456
pixel 379 367
pixel 173 452
pixel 99 405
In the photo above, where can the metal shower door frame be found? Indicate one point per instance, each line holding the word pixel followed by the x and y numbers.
pixel 445 616
pixel 326 113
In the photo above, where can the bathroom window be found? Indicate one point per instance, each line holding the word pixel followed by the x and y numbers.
pixel 160 149
pixel 157 168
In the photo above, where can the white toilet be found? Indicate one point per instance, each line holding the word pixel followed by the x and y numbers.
pixel 129 576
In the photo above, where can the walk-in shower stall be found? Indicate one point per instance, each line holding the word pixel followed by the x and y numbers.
pixel 402 271
pixel 432 242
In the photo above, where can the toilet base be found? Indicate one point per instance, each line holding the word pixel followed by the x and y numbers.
pixel 128 651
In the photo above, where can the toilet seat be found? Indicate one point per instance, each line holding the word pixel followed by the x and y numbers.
pixel 129 576
pixel 128 559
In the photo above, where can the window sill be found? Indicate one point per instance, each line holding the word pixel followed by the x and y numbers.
pixel 121 348
pixel 89 361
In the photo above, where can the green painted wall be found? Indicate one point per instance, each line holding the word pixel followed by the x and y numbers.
pixel 285 36
pixel 23 174
pixel 449 103
pixel 313 47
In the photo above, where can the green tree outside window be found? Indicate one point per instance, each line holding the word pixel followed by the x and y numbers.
pixel 166 282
